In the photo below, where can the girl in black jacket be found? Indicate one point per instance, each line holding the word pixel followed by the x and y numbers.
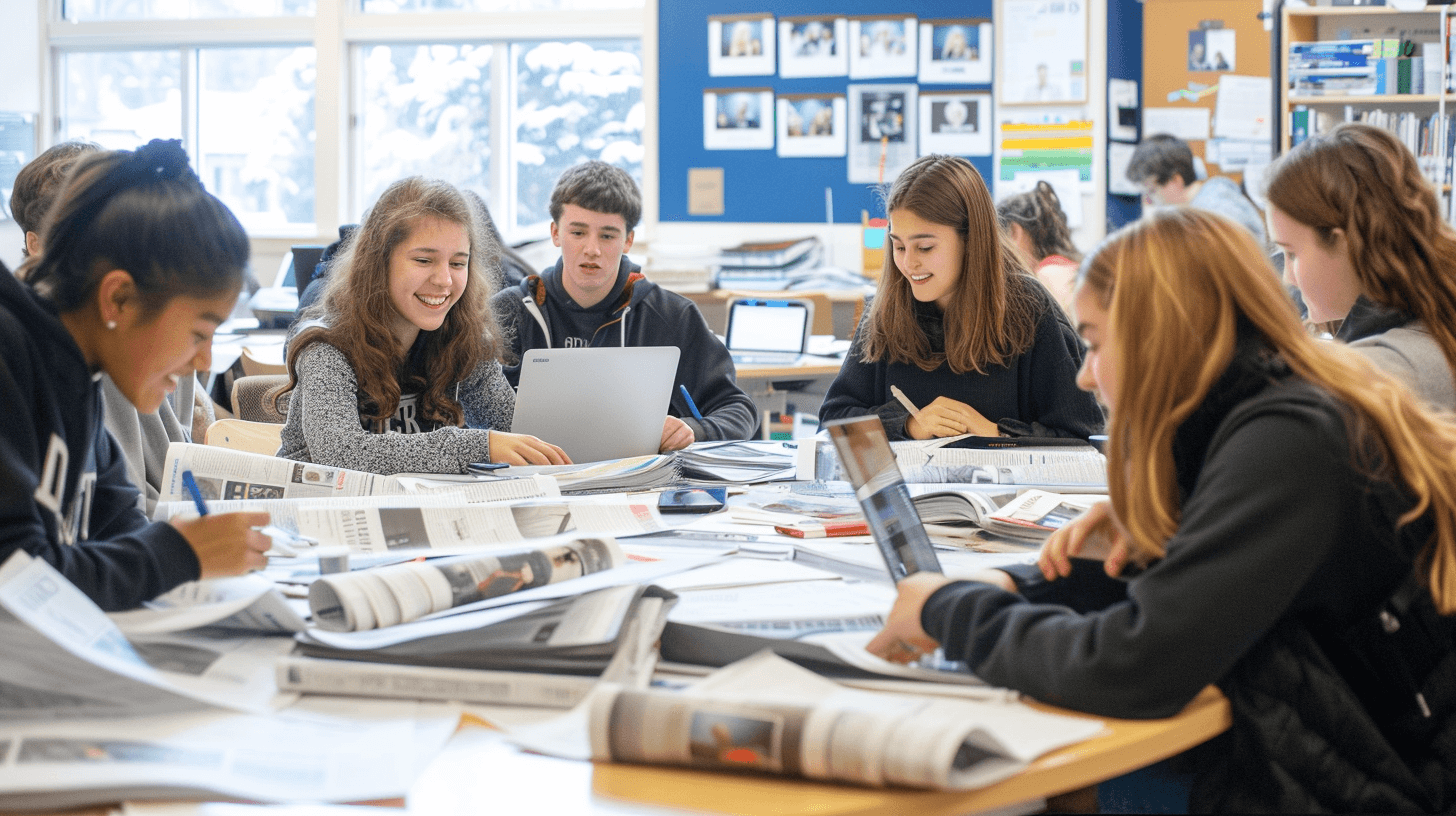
pixel 138 267
pixel 1294 512
pixel 959 326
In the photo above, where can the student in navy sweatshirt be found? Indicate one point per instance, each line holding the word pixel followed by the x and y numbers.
pixel 595 296
pixel 137 267
pixel 974 341
pixel 1293 511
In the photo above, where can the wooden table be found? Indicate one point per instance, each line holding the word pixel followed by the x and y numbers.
pixel 478 774
pixel 577 787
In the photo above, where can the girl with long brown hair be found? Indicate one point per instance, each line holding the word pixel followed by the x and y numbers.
pixel 1293 511
pixel 398 368
pixel 1365 241
pixel 974 342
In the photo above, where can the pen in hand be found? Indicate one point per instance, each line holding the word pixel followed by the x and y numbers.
pixel 273 532
pixel 904 400
pixel 692 406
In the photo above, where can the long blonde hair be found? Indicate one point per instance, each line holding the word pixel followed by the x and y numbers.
pixel 1176 286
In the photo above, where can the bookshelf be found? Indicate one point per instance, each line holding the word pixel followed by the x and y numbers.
pixel 1397 111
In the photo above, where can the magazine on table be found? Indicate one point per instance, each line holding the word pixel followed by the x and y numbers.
pixel 398 593
pixel 766 715
pixel 631 663
pixel 576 634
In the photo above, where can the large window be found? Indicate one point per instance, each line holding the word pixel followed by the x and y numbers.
pixel 251 110
pixel 512 99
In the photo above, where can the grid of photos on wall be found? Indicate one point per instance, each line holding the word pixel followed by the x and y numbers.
pixel 911 107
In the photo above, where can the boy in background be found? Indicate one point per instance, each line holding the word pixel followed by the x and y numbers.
pixel 595 296
pixel 1162 165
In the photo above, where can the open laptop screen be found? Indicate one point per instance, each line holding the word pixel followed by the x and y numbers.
pixel 775 326
pixel 865 453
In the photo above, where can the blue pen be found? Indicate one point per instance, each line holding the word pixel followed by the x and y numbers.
pixel 692 406
pixel 196 493
pixel 279 547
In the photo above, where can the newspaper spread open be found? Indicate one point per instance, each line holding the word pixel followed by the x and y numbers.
pixel 766 714
pixel 65 658
pixel 320 750
pixel 1064 469
pixel 385 596
pixel 224 474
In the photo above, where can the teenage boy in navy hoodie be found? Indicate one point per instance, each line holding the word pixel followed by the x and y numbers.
pixel 594 296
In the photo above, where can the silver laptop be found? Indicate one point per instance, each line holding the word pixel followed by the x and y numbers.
pixel 596 403
pixel 768 332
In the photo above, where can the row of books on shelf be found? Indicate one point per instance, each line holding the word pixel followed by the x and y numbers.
pixel 1367 67
pixel 1429 136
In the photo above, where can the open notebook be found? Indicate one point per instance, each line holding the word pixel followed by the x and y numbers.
pixel 596 403
pixel 768 332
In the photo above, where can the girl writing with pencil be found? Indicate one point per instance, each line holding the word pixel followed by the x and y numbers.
pixel 1294 514
pixel 398 370
pixel 974 343
pixel 137 267
pixel 1365 241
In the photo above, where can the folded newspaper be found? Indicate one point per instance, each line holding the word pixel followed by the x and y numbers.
pixel 1062 468
pixel 576 634
pixel 767 715
pixel 398 593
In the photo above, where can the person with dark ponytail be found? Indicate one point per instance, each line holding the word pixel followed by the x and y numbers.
pixel 137 267
pixel 1038 227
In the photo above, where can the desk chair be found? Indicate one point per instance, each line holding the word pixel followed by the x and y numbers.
pixel 255 362
pixel 255 397
pixel 240 434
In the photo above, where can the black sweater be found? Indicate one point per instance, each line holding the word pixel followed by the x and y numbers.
pixel 84 520
pixel 1277 523
pixel 1034 394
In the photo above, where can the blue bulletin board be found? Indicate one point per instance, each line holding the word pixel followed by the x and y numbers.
pixel 759 185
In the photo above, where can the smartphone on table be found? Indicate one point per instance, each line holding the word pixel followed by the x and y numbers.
pixel 692 500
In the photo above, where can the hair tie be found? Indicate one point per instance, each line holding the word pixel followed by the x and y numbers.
pixel 159 160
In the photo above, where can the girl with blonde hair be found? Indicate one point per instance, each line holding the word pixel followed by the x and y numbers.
pixel 1293 512
pixel 398 369
pixel 1365 241
pixel 959 326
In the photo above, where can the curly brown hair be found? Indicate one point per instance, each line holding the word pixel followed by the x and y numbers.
pixel 355 313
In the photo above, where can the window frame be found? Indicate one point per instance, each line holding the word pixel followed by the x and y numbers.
pixel 338 31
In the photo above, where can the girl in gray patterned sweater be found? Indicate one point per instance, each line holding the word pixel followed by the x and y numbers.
pixel 398 370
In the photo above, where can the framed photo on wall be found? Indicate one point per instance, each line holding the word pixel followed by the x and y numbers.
pixel 882 46
pixel 955 122
pixel 813 46
pixel 738 119
pixel 955 52
pixel 741 45
pixel 1043 52
pixel 811 125
pixel 881 132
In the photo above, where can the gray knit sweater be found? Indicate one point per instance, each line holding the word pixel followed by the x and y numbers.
pixel 325 425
